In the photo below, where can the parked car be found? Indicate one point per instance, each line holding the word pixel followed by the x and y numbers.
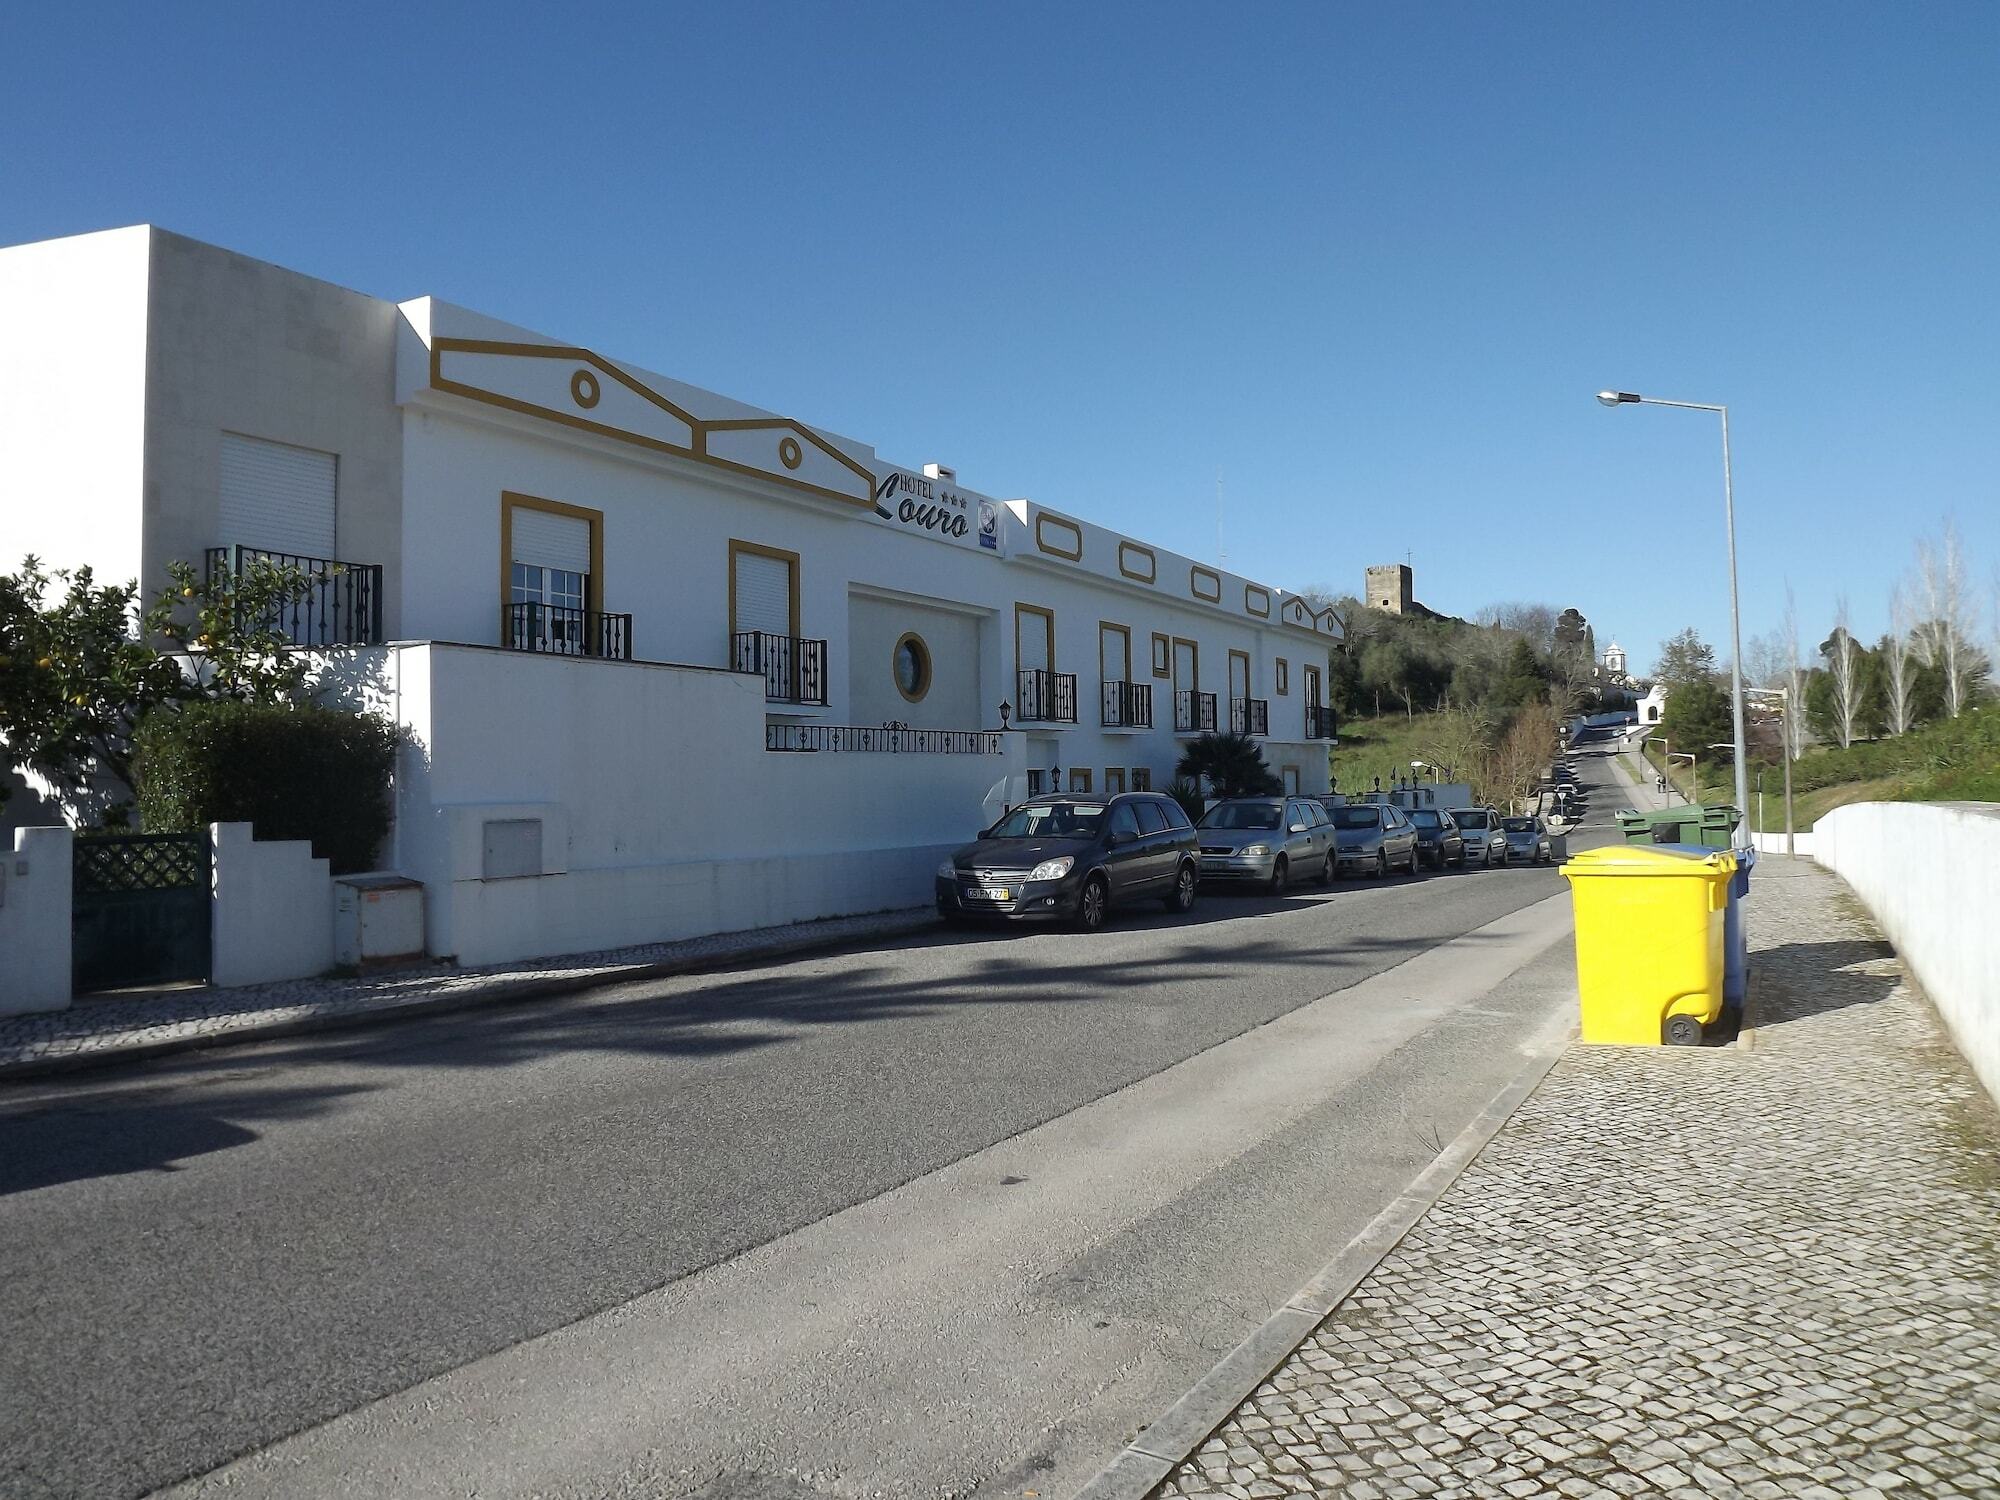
pixel 1374 836
pixel 1485 840
pixel 1527 838
pixel 1073 858
pixel 1439 843
pixel 1266 839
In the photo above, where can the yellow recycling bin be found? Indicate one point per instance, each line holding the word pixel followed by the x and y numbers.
pixel 1649 941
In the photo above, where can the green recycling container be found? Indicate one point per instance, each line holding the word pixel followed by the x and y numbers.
pixel 1709 825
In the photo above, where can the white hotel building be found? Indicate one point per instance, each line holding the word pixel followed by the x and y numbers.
pixel 667 663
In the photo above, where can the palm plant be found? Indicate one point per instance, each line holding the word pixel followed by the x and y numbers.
pixel 1233 765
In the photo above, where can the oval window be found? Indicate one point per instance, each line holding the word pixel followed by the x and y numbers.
pixel 913 668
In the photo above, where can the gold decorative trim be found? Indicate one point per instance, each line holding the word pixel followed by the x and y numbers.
pixel 1152 573
pixel 758 549
pixel 584 390
pixel 789 453
pixel 1281 677
pixel 1079 778
pixel 1196 575
pixel 1251 594
pixel 1311 687
pixel 1075 551
pixel 511 501
pixel 1163 655
pixel 698 430
pixel 1114 780
pixel 1193 684
pixel 1249 683
pixel 1297 788
pixel 910 637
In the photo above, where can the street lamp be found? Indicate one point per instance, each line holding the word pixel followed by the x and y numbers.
pixel 1784 697
pixel 1694 771
pixel 1740 748
pixel 1666 752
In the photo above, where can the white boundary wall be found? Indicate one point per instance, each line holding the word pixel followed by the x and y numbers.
pixel 661 815
pixel 1926 871
pixel 273 909
pixel 34 922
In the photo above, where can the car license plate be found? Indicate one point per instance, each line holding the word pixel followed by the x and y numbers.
pixel 991 892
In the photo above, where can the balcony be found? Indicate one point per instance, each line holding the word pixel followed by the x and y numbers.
pixel 558 630
pixel 1127 705
pixel 794 670
pixel 341 604
pixel 1045 697
pixel 1249 716
pixel 1194 713
pixel 1319 722
pixel 889 739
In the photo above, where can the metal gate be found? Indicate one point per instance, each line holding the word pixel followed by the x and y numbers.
pixel 139 910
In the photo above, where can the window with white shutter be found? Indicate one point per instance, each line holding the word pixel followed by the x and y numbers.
pixel 276 498
pixel 762 591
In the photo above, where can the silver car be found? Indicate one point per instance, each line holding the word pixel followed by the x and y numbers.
pixel 1266 840
pixel 1527 839
pixel 1485 839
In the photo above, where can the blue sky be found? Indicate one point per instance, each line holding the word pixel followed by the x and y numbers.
pixel 1369 262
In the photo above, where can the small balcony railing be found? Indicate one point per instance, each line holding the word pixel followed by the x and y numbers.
pixel 1249 716
pixel 558 630
pixel 340 606
pixel 1045 697
pixel 1319 722
pixel 1194 713
pixel 794 670
pixel 889 739
pixel 1128 705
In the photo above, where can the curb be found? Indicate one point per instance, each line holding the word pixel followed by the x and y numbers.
pixel 1188 1423
pixel 505 993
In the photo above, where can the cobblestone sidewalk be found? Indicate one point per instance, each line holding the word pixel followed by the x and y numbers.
pixel 106 1028
pixel 1768 1273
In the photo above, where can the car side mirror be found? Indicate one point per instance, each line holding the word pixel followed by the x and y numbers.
pixel 1298 828
pixel 1118 838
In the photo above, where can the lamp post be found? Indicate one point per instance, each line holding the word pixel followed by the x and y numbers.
pixel 1666 753
pixel 1694 772
pixel 1784 697
pixel 1740 748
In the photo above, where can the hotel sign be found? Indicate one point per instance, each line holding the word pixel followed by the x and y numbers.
pixel 916 502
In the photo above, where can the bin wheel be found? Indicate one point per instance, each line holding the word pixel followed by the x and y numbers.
pixel 1683 1031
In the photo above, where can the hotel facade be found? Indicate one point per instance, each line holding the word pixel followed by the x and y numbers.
pixel 666 663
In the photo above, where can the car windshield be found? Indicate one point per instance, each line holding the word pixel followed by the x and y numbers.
pixel 1470 819
pixel 1356 817
pixel 1241 815
pixel 1424 818
pixel 1051 820
pixel 1519 825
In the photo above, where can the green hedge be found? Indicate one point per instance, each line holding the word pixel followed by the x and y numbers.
pixel 295 772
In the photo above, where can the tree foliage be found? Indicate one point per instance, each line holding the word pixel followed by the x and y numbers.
pixel 1686 658
pixel 1232 765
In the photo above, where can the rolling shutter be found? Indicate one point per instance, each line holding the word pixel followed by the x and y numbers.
pixel 763 594
pixel 550 541
pixel 276 497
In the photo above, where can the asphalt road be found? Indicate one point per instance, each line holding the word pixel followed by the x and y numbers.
pixel 940 1216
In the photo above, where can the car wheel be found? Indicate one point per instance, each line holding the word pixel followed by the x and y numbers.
pixel 1180 900
pixel 1328 870
pixel 1413 860
pixel 1381 864
pixel 1279 874
pixel 1092 904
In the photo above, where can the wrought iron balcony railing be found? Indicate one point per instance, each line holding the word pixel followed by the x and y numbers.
pixel 561 631
pixel 1249 716
pixel 340 606
pixel 1319 722
pixel 1194 713
pixel 1128 705
pixel 1045 697
pixel 890 739
pixel 794 670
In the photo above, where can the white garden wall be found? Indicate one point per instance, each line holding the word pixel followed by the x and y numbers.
pixel 659 813
pixel 273 910
pixel 1927 873
pixel 35 922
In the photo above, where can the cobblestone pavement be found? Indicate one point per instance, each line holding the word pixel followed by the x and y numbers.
pixel 196 1015
pixel 1707 1272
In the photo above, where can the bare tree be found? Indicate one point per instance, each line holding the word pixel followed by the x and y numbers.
pixel 1842 661
pixel 1898 674
pixel 1944 638
pixel 1795 680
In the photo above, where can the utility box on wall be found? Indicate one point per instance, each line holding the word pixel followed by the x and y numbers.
pixel 377 919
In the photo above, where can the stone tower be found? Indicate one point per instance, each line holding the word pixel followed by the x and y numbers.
pixel 1390 586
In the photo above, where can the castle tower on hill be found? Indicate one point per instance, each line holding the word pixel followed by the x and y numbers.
pixel 1390 586
pixel 1614 660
